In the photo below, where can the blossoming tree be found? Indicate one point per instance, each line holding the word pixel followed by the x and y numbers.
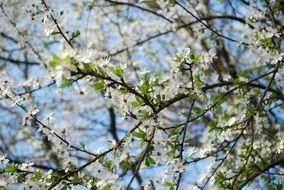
pixel 149 94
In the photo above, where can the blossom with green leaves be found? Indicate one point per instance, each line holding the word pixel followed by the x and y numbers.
pixel 148 94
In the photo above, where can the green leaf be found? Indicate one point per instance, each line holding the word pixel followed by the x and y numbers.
pixel 149 161
pixel 142 143
pixel 102 71
pixel 55 61
pixel 197 110
pixel 54 33
pixel 87 67
pixel 71 166
pixel 195 57
pixel 145 87
pixel 99 86
pixel 64 187
pixel 181 68
pixel 160 98
pixel 198 82
pixel 152 184
pixel 107 164
pixel 275 186
pixel 75 179
pixel 21 178
pixel 37 175
pixel 168 184
pixel 193 95
pixel 125 164
pixel 135 103
pixel 50 180
pixel 171 3
pixel 11 168
pixel 117 71
pixel 123 90
pixel 82 144
pixel 66 82
pixel 143 115
pixel 178 59
pixel 140 134
pixel 75 34
pixel 107 187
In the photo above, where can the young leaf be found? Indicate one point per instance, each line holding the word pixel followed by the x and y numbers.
pixel 11 168
pixel 99 86
pixel 55 61
pixel 75 34
pixel 66 82
pixel 102 71
pixel 117 71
